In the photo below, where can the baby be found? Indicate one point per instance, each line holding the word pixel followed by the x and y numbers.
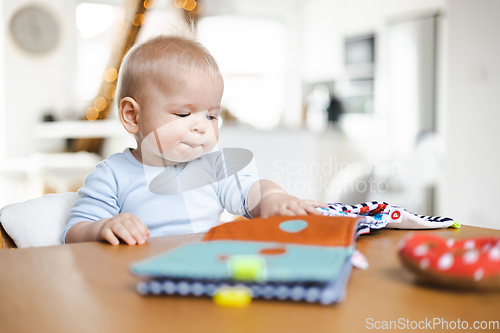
pixel 169 94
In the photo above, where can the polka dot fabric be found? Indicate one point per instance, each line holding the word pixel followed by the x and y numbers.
pixel 462 263
pixel 378 214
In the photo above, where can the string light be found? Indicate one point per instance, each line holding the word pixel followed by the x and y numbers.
pixel 189 5
pixel 109 92
pixel 137 20
pixel 110 74
pixel 148 4
pixel 133 30
pixel 178 3
pixel 197 9
pixel 92 113
pixel 100 103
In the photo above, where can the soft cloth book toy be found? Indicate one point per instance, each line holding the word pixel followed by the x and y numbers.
pixel 305 258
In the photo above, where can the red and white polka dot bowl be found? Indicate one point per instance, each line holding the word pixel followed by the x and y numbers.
pixel 455 263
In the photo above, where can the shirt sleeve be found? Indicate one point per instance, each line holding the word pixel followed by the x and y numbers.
pixel 98 198
pixel 233 189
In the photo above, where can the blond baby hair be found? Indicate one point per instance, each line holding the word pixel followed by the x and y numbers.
pixel 142 62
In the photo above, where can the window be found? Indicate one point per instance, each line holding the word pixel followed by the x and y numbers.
pixel 98 25
pixel 94 23
pixel 252 57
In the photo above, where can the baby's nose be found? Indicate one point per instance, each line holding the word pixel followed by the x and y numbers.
pixel 200 122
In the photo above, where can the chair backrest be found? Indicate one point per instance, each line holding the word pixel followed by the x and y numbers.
pixel 36 222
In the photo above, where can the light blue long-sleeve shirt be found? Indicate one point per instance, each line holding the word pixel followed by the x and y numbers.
pixel 123 184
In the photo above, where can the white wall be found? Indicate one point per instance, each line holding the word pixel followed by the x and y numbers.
pixel 279 155
pixel 29 85
pixel 470 189
pixel 36 82
pixel 327 22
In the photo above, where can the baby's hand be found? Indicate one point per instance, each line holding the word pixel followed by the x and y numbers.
pixel 126 226
pixel 285 204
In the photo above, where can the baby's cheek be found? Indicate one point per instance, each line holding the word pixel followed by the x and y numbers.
pixel 209 147
pixel 210 144
pixel 212 131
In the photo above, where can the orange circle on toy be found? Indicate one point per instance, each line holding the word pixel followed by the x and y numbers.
pixel 395 215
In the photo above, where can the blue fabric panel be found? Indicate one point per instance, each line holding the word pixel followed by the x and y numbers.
pixel 209 260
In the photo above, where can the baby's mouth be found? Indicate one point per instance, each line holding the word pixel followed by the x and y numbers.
pixel 193 145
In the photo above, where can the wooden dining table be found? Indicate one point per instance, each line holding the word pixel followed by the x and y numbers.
pixel 88 287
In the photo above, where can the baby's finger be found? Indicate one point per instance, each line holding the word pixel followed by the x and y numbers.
pixel 286 212
pixel 297 210
pixel 312 210
pixel 122 232
pixel 309 207
pixel 317 203
pixel 109 236
pixel 135 231
pixel 142 227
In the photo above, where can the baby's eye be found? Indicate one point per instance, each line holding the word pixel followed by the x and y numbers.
pixel 182 114
pixel 209 117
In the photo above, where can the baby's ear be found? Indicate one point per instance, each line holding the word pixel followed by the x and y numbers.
pixel 129 111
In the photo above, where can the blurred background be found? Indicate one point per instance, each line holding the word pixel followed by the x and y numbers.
pixel 340 101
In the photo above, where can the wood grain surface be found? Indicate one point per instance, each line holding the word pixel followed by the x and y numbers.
pixel 88 287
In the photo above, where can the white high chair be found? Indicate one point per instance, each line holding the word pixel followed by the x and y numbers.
pixel 36 222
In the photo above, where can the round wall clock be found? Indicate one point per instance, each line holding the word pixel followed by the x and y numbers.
pixel 34 29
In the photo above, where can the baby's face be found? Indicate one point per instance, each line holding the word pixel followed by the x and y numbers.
pixel 179 120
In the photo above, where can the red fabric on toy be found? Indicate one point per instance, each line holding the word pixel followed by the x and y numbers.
pixel 462 262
